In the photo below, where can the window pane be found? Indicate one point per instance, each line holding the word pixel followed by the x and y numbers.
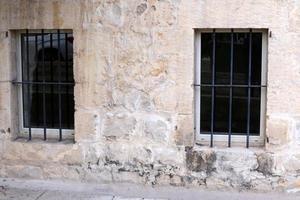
pixel 206 58
pixel 239 110
pixel 205 109
pixel 221 109
pixel 256 58
pixel 221 113
pixel 28 59
pixel 222 67
pixel 241 58
pixel 255 111
pixel 222 76
pixel 51 61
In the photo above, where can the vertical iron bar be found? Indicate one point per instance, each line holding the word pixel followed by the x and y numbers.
pixel 37 76
pixel 200 81
pixel 51 80
pixel 67 80
pixel 44 88
pixel 59 85
pixel 230 92
pixel 213 89
pixel 23 37
pixel 29 85
pixel 249 88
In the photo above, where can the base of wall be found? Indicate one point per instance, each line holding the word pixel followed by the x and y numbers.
pixel 223 169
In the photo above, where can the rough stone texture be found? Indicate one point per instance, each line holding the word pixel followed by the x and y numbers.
pixel 199 161
pixel 133 68
pixel 279 132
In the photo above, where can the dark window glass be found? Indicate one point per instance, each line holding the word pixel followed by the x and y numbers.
pixel 45 59
pixel 239 80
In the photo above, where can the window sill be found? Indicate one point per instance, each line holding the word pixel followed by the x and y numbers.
pixel 40 140
pixel 236 141
pixel 222 147
pixel 52 134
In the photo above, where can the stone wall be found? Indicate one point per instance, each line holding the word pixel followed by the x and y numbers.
pixel 133 68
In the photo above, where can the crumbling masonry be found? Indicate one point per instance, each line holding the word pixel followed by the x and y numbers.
pixel 134 118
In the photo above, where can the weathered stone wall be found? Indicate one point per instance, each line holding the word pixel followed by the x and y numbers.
pixel 133 68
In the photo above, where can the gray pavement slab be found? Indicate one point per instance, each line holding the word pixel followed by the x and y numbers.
pixel 18 189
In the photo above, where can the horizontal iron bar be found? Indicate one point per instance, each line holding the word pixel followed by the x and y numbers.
pixel 226 133
pixel 224 85
pixel 42 83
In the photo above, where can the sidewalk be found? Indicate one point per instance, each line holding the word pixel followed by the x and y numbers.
pixel 18 189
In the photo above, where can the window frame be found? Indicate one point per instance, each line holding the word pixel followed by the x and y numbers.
pixel 52 133
pixel 237 140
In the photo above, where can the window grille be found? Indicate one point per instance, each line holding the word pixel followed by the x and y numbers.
pixel 230 84
pixel 46 81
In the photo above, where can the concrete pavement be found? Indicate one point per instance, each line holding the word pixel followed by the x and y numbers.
pixel 18 189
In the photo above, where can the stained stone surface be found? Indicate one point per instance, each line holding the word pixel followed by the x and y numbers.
pixel 134 118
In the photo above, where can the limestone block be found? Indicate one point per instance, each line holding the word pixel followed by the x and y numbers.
pixel 200 161
pixel 120 152
pixel 185 130
pixel 168 155
pixel 167 13
pixel 157 129
pixel 288 161
pixel 135 101
pixel 163 180
pixel 119 125
pixel 110 13
pixel 262 185
pixel 90 95
pixel 2 147
pixel 4 57
pixel 293 186
pixel 5 100
pixel 266 163
pixel 185 101
pixel 224 168
pixel 87 125
pixel 140 9
pixel 217 183
pixel 165 98
pixel 297 130
pixel 24 171
pixel 278 131
pixel 43 152
pixel 239 160
pixel 72 157
pixel 57 171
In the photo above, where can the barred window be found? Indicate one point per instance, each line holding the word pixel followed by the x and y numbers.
pixel 230 85
pixel 46 83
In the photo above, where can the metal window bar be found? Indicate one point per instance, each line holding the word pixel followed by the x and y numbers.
pixel 26 81
pixel 37 73
pixel 59 87
pixel 213 89
pixel 28 86
pixel 22 78
pixel 44 88
pixel 248 86
pixel 67 78
pixel 230 91
pixel 51 79
pixel 249 89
